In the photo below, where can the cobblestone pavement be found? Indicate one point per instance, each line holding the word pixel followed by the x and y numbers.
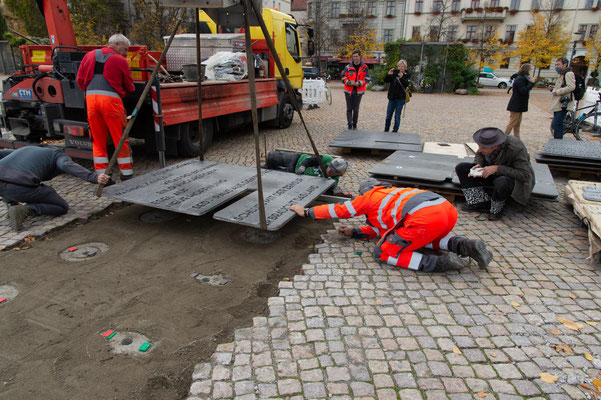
pixel 348 327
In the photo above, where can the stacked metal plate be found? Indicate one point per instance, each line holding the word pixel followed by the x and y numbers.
pixel 437 172
pixel 197 187
pixel 571 155
pixel 377 140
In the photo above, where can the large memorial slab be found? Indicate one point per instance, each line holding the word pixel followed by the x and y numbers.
pixel 196 187
pixel 437 171
pixel 376 140
pixel 572 149
pixel 449 149
pixel 280 191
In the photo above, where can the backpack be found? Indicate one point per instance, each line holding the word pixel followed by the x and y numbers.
pixel 580 87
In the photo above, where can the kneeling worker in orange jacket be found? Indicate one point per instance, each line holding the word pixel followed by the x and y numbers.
pixel 405 220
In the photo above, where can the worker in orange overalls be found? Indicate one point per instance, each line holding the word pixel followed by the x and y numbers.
pixel 355 78
pixel 105 77
pixel 406 220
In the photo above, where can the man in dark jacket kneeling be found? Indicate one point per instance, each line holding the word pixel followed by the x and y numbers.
pixel 501 170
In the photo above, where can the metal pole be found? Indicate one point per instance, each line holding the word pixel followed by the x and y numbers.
pixel 141 100
pixel 199 84
pixel 289 87
pixel 159 130
pixel 250 63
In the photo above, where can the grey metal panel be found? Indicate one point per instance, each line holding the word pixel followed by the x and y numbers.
pixel 374 140
pixel 280 191
pixel 572 149
pixel 569 162
pixel 437 170
pixel 190 187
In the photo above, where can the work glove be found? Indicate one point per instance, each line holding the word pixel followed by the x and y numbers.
pixel 300 170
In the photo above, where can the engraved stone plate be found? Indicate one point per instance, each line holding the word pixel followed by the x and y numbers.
pixel 572 149
pixel 422 166
pixel 452 149
pixel 374 140
pixel 571 163
pixel 280 191
pixel 191 187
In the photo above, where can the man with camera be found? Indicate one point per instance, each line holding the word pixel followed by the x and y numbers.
pixel 563 100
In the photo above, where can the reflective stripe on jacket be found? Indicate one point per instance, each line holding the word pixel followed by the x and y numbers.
pixel 353 73
pixel 99 84
pixel 384 207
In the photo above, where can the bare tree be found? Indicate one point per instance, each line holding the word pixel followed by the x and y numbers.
pixel 319 18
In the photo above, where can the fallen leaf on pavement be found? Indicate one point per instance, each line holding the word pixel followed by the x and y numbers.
pixel 597 384
pixel 29 239
pixel 378 301
pixel 575 326
pixel 481 394
pixel 563 348
pixel 591 323
pixel 588 357
pixel 548 378
pixel 506 266
pixel 457 351
pixel 17 249
pixel 555 332
pixel 586 386
pixel 515 304
pixel 493 355
pixel 572 296
pixel 286 279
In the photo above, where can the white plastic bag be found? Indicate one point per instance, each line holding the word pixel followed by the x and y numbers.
pixel 226 65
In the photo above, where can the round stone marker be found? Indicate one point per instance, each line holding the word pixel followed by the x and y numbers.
pixel 216 278
pixel 9 292
pixel 252 235
pixel 128 343
pixel 84 252
pixel 157 216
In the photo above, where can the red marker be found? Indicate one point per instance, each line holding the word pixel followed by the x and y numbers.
pixel 72 249
pixel 108 334
pixel 2 299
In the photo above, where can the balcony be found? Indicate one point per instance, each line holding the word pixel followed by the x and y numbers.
pixel 483 14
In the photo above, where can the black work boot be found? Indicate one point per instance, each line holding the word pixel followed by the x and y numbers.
pixel 17 215
pixel 448 262
pixel 477 250
pixel 482 206
pixel 496 210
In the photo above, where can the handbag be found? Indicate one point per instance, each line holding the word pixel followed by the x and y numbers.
pixel 407 92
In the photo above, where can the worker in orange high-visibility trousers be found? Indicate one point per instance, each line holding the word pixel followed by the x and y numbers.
pixel 105 77
pixel 406 220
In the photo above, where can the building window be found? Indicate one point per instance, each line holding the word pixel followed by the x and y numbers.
pixel 456 5
pixel 335 10
pixel 489 32
pixel 505 60
pixel 475 3
pixel 593 32
pixel 452 33
pixel 535 5
pixel 515 5
pixel 390 8
pixel 353 8
pixel 371 9
pixel 434 34
pixel 419 5
pixel 592 4
pixel 494 3
pixel 415 33
pixel 582 32
pixel 387 35
pixel 558 4
pixel 471 32
pixel 510 33
pixel 437 6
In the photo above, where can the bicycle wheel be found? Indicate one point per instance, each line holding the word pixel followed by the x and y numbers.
pixel 580 124
pixel 328 96
pixel 568 124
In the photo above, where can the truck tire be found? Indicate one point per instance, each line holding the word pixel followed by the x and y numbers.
pixel 189 140
pixel 285 112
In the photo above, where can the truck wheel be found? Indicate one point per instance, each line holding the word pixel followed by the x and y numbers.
pixel 189 141
pixel 286 112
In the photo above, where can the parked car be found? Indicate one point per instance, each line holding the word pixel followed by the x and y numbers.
pixel 311 73
pixel 489 79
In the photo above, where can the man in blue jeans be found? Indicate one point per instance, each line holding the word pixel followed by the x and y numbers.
pixel 22 172
pixel 563 99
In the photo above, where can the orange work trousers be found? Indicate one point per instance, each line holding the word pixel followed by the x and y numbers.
pixel 427 227
pixel 107 115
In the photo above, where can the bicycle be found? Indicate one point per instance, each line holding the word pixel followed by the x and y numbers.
pixel 573 124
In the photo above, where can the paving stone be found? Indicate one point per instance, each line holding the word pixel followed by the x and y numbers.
pixel 314 390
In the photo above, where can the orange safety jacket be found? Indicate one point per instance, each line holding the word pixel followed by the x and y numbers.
pixel 384 207
pixel 353 73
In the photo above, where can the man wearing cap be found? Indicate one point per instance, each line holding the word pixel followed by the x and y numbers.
pixel 406 221
pixel 501 167
pixel 306 164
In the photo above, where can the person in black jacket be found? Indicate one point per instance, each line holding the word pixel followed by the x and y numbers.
pixel 518 103
pixel 22 172
pixel 397 92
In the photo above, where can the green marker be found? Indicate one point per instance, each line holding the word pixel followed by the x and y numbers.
pixel 358 253
pixel 145 346
pixel 111 335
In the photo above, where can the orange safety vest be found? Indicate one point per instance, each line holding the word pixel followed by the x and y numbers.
pixel 384 207
pixel 352 73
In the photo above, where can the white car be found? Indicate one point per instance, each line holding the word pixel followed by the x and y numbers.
pixel 488 79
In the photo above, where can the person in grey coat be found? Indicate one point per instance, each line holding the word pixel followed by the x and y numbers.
pixel 501 169
pixel 22 173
